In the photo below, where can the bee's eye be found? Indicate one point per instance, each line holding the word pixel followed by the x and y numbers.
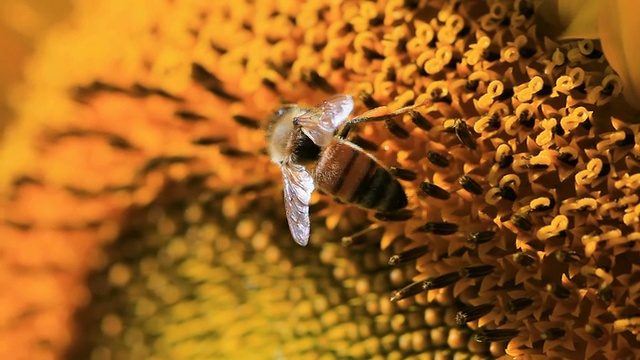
pixel 280 112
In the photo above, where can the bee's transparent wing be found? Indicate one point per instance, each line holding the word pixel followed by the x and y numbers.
pixel 321 122
pixel 298 186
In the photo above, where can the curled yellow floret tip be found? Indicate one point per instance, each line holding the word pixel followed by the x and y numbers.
pixel 141 218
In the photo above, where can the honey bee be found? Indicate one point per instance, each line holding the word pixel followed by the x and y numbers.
pixel 302 141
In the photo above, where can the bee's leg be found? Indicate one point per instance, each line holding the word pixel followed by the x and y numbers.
pixel 344 131
pixel 376 115
pixel 379 114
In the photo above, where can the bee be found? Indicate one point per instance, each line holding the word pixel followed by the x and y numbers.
pixel 303 142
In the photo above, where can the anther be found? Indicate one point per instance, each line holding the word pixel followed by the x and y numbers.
pixel 246 121
pixel 476 271
pixel 435 191
pixel 470 185
pixel 486 335
pixel 517 305
pixel 473 313
pixel 441 281
pixel 439 228
pixel 408 255
pixel 553 334
pixel 481 237
pixel 412 289
pixel 437 159
pixel 523 259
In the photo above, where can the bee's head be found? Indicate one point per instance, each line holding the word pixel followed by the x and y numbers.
pixel 280 128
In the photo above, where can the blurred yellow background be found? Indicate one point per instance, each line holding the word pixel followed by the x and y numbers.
pixel 22 23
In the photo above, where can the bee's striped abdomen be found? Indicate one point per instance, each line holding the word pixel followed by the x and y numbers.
pixel 355 177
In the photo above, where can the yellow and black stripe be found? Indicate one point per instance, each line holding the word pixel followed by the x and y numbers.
pixel 355 177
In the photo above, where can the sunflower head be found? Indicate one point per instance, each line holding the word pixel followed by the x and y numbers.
pixel 150 224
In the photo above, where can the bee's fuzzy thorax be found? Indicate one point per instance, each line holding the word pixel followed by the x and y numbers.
pixel 279 132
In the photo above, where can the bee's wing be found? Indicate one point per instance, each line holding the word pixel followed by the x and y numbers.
pixel 319 123
pixel 298 186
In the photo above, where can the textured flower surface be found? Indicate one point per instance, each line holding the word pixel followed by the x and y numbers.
pixel 141 219
pixel 612 23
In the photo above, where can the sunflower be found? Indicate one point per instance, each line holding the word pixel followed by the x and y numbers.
pixel 141 217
